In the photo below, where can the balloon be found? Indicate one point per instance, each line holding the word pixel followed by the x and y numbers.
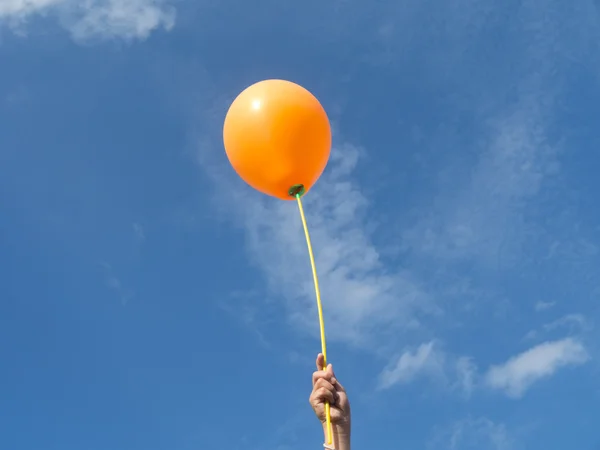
pixel 277 138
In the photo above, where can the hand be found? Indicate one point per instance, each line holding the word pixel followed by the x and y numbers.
pixel 326 387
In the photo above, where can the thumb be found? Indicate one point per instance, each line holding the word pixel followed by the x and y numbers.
pixel 320 361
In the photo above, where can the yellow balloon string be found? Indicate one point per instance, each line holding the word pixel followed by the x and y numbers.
pixel 320 309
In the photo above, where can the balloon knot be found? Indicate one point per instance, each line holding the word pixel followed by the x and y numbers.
pixel 297 190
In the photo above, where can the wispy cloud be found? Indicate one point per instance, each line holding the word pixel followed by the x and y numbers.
pixel 473 434
pixel 574 323
pixel 114 283
pixel 461 374
pixel 425 360
pixel 571 321
pixel 93 19
pixel 429 360
pixel 483 219
pixel 543 306
pixel 363 298
pixel 23 8
pixel 487 208
pixel 520 372
pixel 466 375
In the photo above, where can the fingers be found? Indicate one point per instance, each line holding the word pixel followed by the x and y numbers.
pixel 322 392
pixel 329 369
pixel 337 385
pixel 320 361
pixel 323 395
pixel 325 390
pixel 323 383
pixel 322 374
pixel 327 374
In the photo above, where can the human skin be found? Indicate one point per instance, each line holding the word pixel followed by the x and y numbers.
pixel 326 387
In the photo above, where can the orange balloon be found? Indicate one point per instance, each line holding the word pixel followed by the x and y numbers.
pixel 277 137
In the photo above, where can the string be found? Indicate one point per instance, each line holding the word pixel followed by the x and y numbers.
pixel 319 307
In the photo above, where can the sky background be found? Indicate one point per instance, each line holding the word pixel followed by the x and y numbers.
pixel 150 300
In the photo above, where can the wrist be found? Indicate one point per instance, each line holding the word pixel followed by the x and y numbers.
pixel 341 429
pixel 340 435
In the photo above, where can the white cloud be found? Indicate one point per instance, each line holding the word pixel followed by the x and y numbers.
pixel 473 434
pixel 23 8
pixel 520 372
pixel 129 19
pixel 362 298
pixel 431 361
pixel 461 374
pixel 424 360
pixel 94 19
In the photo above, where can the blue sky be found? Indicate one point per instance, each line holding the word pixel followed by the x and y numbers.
pixel 150 300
